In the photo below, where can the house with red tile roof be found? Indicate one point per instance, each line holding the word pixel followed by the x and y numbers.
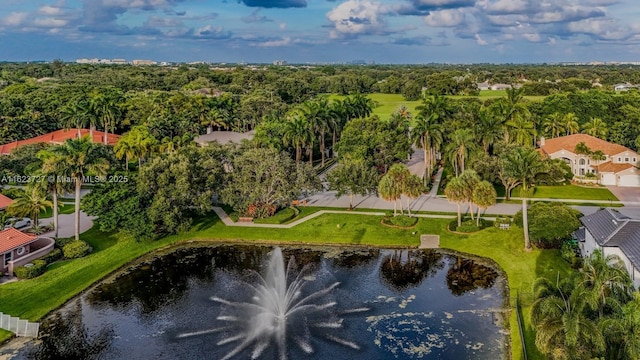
pixel 4 202
pixel 59 137
pixel 14 244
pixel 618 168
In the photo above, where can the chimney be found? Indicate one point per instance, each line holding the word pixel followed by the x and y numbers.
pixel 541 141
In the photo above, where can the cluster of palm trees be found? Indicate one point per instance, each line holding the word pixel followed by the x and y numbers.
pixel 313 121
pixel 468 188
pixel 594 314
pixel 64 169
pixel 399 181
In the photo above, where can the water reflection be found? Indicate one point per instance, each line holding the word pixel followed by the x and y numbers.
pixel 64 336
pixel 465 275
pixel 408 268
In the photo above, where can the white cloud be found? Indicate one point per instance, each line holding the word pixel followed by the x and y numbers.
pixel 15 19
pixel 357 17
pixel 480 40
pixel 445 18
pixel 275 43
pixel 282 26
pixel 50 10
pixel 50 22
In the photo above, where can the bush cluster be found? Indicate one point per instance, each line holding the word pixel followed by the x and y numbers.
pixel 53 256
pixel 31 270
pixel 76 249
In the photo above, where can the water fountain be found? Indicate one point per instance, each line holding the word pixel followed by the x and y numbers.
pixel 278 313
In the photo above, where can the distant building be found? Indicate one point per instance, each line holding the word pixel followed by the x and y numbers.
pixel 144 62
pixel 223 137
pixel 279 62
pixel 624 87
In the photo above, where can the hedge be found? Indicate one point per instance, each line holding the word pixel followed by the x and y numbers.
pixel 29 271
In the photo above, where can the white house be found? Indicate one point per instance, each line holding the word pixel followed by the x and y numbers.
pixel 618 168
pixel 612 233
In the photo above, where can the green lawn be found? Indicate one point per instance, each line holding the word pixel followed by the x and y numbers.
pixel 64 209
pixel 565 192
pixel 32 299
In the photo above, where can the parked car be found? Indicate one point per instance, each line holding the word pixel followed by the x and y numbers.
pixel 17 223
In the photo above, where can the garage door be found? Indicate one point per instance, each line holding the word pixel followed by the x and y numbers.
pixel 608 179
pixel 629 180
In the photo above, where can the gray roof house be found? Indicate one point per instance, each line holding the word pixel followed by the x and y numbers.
pixel 612 233
pixel 224 137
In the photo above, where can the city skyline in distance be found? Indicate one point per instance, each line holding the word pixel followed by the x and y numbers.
pixel 321 31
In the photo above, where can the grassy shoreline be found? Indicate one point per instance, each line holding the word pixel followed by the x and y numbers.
pixel 31 299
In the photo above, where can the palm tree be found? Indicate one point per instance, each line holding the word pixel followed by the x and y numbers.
pixel 461 144
pixel 598 156
pixel 54 180
pixel 30 203
pixel 399 175
pixel 484 196
pixel 511 108
pixel 554 124
pixel 106 110
pixel 522 131
pixel 622 331
pixel 80 158
pixel 525 164
pixel 389 191
pixel 427 134
pixel 596 127
pixel 73 115
pixel 488 129
pixel 470 179
pixel 563 330
pixel 125 148
pixel 570 123
pixel 412 189
pixel 606 280
pixel 455 193
pixel 296 134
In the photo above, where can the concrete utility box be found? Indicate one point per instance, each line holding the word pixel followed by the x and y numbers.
pixel 429 241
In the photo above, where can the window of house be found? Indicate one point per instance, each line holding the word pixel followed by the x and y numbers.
pixel 619 159
pixel 7 258
pixel 581 161
pixel 634 159
pixel 20 250
pixel 626 159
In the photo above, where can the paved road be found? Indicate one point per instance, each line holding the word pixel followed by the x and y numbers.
pixel 66 224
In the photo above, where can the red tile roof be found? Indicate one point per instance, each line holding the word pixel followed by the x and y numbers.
pixel 611 167
pixel 569 143
pixel 4 202
pixel 58 137
pixel 12 238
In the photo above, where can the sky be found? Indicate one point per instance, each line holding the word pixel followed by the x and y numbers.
pixel 322 31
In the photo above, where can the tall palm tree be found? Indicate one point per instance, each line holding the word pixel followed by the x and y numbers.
pixel 413 189
pixel 460 145
pixel 106 109
pixel 30 203
pixel 73 115
pixel 554 124
pixel 563 330
pixel 525 164
pixel 80 158
pixel 126 148
pixel 54 180
pixel 488 129
pixel 427 134
pixel 296 134
pixel 622 331
pixel 511 108
pixel 455 192
pixel 470 179
pixel 596 127
pixel 570 123
pixel 522 131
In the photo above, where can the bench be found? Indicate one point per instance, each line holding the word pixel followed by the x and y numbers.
pixel 245 219
pixel 505 226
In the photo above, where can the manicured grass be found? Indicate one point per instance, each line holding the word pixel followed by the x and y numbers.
pixel 280 217
pixel 64 209
pixel 32 299
pixel 5 335
pixel 565 192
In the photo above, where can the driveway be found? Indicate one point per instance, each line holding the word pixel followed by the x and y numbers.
pixel 626 194
pixel 66 223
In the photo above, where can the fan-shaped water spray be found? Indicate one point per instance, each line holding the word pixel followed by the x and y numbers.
pixel 279 314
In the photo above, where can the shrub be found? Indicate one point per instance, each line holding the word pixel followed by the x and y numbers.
pixel 31 270
pixel 468 226
pixel 571 253
pixel 76 249
pixel 60 243
pixel 590 176
pixel 53 256
pixel 403 221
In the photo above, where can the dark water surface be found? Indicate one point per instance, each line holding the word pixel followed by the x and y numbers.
pixel 410 304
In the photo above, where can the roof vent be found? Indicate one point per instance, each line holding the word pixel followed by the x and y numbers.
pixel 614 222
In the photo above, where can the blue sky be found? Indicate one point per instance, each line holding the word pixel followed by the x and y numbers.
pixel 300 31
